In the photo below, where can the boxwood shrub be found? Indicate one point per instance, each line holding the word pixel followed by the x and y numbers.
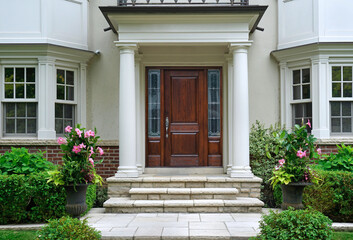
pixel 30 198
pixel 333 196
pixel 295 224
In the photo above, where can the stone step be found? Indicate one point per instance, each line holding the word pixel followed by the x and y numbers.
pixel 127 205
pixel 182 193
pixel 247 187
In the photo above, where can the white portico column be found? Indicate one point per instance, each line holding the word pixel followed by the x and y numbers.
pixel 127 112
pixel 240 128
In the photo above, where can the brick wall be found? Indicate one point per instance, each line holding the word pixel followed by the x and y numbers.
pixel 106 169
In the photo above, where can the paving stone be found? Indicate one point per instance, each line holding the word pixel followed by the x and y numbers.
pixel 223 217
pixel 245 232
pixel 168 185
pixel 148 232
pixel 123 232
pixel 189 179
pixel 156 179
pixel 242 224
pixel 175 233
pixel 209 234
pixel 216 179
pixel 189 217
pixel 207 225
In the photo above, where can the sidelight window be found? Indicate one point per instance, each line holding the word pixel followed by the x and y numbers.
pixel 214 103
pixel 154 102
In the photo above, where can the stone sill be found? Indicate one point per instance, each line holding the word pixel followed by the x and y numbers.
pixel 336 141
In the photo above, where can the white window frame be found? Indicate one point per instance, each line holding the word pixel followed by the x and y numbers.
pixel 14 100
pixel 339 99
pixel 292 102
pixel 76 92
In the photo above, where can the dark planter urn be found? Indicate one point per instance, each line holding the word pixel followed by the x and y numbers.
pixel 292 195
pixel 76 199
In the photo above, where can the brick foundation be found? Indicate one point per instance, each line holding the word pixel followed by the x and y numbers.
pixel 52 153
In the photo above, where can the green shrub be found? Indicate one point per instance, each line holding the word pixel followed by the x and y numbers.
pixel 299 224
pixel 333 196
pixel 102 196
pixel 67 228
pixel 265 151
pixel 31 199
pixel 341 161
pixel 19 161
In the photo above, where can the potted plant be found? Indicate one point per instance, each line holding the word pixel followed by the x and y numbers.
pixel 294 171
pixel 78 169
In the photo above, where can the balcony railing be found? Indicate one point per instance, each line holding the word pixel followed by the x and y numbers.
pixel 181 2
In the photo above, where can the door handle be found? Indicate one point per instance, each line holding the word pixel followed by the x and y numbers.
pixel 166 126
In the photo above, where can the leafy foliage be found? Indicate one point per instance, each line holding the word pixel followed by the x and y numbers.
pixel 79 148
pixel 19 161
pixel 265 151
pixel 299 224
pixel 342 161
pixel 300 151
pixel 67 228
pixel 333 196
pixel 102 196
pixel 31 199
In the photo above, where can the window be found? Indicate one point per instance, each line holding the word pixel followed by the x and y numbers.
pixel 214 103
pixel 65 100
pixel 341 102
pixel 301 97
pixel 154 104
pixel 19 103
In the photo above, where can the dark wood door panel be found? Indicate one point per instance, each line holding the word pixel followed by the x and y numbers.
pixel 184 143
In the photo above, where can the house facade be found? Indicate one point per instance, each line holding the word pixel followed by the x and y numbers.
pixel 173 86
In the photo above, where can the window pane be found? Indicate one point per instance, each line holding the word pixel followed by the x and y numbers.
pixel 59 110
pixel 20 90
pixel 30 75
pixel 154 103
pixel 60 76
pixel 30 91
pixel 21 110
pixel 68 123
pixel 69 77
pixel 347 73
pixel 68 111
pixel 21 126
pixel 31 126
pixel 10 109
pixel 336 124
pixel 8 74
pixel 10 125
pixel 307 110
pixel 335 109
pixel 9 90
pixel 347 125
pixel 31 110
pixel 60 92
pixel 336 90
pixel 346 109
pixel 336 73
pixel 347 89
pixel 306 91
pixel 296 76
pixel 306 75
pixel 214 105
pixel 298 110
pixel 69 93
pixel 296 93
pixel 59 128
pixel 20 74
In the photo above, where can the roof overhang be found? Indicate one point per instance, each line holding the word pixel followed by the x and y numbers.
pixel 154 24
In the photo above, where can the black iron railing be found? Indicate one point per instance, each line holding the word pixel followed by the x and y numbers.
pixel 181 2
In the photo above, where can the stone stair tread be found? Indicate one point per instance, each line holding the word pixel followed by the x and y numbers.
pixel 240 202
pixel 220 191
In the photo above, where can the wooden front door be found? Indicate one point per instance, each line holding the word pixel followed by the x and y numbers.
pixel 178 124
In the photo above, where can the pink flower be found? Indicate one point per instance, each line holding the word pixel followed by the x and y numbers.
pixel 281 162
pixel 82 145
pixel 68 129
pixel 100 150
pixel 91 152
pixel 319 151
pixel 276 168
pixel 61 140
pixel 301 154
pixel 76 149
pixel 91 161
pixel 308 123
pixel 78 131
pixel 89 133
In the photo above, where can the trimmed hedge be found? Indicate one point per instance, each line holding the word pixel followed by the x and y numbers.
pixel 333 196
pixel 30 198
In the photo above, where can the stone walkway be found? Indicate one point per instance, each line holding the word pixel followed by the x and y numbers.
pixel 176 226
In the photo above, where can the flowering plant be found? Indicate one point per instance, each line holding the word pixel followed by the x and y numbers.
pixel 300 154
pixel 79 148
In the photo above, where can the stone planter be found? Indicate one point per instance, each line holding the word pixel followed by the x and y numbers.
pixel 292 195
pixel 76 199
